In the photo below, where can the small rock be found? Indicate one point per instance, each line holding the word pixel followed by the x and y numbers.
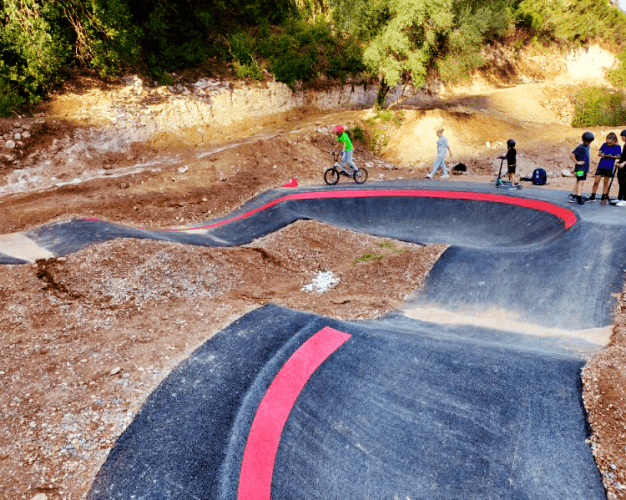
pixel 205 199
pixel 40 496
pixel 488 144
pixel 613 467
pixel 116 370
pixel 25 134
pixel 566 173
pixel 184 169
pixel 17 136
pixel 10 144
pixel 61 259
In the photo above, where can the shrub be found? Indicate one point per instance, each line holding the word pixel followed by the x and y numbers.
pixel 249 71
pixel 299 51
pixel 10 102
pixel 595 106
pixel 358 133
pixel 617 76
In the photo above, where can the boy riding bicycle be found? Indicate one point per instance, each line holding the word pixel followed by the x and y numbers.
pixel 347 150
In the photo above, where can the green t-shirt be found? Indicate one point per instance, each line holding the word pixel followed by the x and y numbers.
pixel 345 138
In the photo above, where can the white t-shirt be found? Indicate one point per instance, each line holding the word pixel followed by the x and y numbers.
pixel 442 146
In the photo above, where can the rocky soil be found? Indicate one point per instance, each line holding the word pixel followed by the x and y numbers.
pixel 84 339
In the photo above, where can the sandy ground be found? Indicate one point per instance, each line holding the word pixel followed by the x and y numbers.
pixel 84 339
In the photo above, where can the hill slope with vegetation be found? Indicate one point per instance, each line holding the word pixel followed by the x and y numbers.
pixel 295 41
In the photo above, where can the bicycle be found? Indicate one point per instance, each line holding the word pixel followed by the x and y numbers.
pixel 331 176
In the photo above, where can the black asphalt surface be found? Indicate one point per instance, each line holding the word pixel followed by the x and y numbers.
pixel 405 408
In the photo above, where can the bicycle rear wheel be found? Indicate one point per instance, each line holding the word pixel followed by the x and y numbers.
pixel 361 176
pixel 331 176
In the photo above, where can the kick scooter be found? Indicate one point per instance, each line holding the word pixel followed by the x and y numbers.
pixel 499 183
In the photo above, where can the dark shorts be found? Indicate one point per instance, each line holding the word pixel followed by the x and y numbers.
pixel 604 172
pixel 581 175
pixel 511 169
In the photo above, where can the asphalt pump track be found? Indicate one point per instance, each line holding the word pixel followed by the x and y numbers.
pixel 471 390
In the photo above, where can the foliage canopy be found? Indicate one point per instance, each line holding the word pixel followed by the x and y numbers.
pixel 295 40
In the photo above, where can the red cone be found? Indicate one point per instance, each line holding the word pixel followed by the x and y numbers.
pixel 292 184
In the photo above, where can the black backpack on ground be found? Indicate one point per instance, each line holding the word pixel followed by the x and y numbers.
pixel 459 167
pixel 539 177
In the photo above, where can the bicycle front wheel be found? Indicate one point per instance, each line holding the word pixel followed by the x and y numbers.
pixel 331 176
pixel 360 176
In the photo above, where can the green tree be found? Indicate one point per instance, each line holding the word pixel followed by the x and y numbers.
pixel 475 24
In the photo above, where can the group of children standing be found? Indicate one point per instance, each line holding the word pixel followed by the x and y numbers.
pixel 609 153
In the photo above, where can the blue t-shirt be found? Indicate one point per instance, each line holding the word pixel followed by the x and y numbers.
pixel 609 163
pixel 581 153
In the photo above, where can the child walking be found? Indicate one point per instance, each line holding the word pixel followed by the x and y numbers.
pixel 347 149
pixel 580 157
pixel 608 153
pixel 442 148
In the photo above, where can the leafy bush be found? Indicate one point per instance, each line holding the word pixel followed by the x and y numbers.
pixel 358 133
pixel 617 76
pixel 595 106
pixel 10 102
pixel 249 71
pixel 299 51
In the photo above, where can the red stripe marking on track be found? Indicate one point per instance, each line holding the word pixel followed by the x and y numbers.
pixel 257 468
pixel 566 215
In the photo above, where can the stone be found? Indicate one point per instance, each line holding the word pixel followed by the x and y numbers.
pixel 17 136
pixel 25 134
pixel 116 370
pixel 40 496
pixel 10 144
pixel 566 173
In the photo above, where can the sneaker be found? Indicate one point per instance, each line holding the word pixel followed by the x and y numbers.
pixel 430 176
pixel 592 198
pixel 512 188
pixel 445 176
pixel 572 198
pixel 580 201
pixel 621 203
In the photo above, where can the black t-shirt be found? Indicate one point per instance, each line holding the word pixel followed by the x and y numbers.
pixel 511 156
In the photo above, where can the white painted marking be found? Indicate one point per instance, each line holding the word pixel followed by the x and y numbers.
pixel 506 321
